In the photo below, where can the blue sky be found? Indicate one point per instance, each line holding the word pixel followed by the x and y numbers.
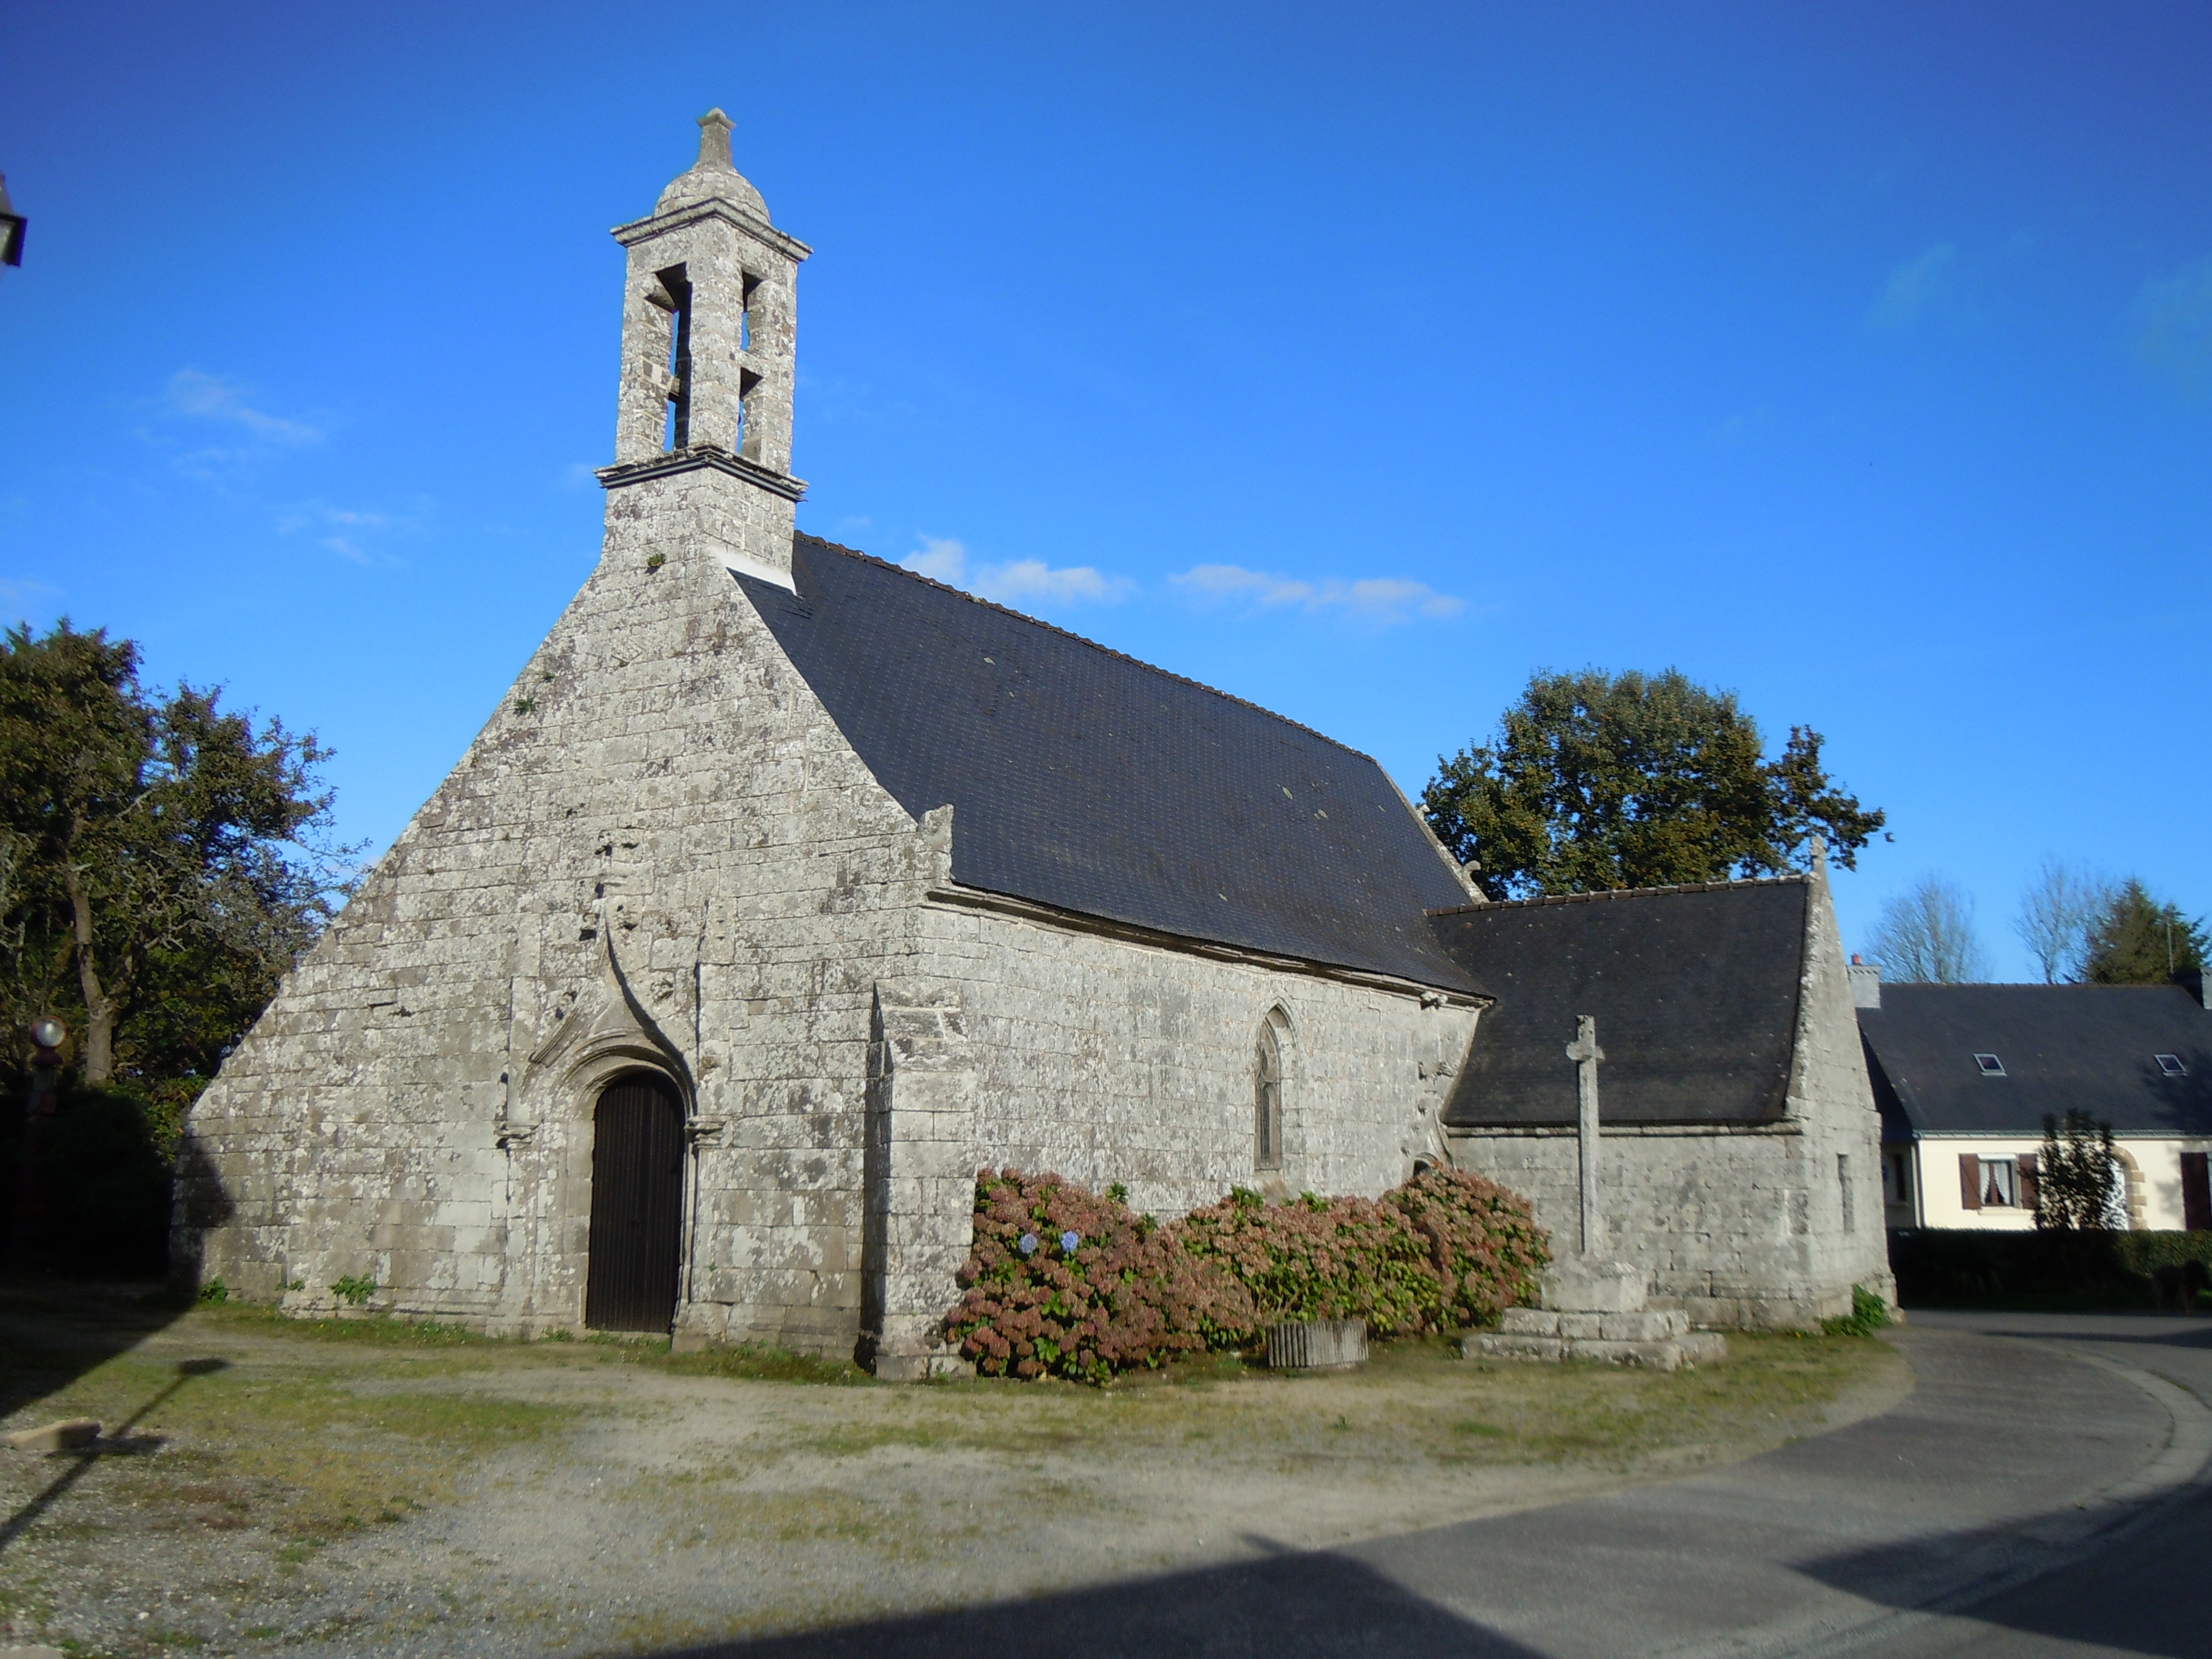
pixel 1356 359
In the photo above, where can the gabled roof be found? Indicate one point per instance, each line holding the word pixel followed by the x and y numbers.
pixel 1085 779
pixel 1694 989
pixel 2093 1046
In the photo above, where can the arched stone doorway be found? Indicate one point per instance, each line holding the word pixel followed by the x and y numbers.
pixel 637 1205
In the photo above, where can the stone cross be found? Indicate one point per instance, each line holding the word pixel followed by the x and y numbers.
pixel 1585 1054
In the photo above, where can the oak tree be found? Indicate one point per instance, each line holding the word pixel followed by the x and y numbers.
pixel 1595 780
pixel 162 859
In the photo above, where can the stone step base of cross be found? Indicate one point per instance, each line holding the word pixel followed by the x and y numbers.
pixel 1662 1341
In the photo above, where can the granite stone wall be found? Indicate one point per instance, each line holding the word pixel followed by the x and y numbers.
pixel 660 854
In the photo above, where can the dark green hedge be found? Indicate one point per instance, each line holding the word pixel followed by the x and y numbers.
pixel 108 1173
pixel 1936 1265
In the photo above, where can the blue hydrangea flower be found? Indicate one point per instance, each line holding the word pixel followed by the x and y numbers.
pixel 1029 1243
pixel 1069 1241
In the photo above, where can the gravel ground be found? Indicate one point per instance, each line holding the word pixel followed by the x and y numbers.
pixel 266 1487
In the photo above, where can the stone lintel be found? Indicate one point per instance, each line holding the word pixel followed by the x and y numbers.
pixel 638 230
pixel 696 459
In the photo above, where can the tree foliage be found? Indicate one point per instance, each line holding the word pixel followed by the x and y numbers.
pixel 162 859
pixel 2077 1175
pixel 2136 939
pixel 1597 780
pixel 1926 935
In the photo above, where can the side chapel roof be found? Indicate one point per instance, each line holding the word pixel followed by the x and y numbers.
pixel 1085 779
pixel 1695 992
pixel 2059 1047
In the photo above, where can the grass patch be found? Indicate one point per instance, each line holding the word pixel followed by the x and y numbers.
pixel 304 1456
pixel 1869 1314
pixel 368 1330
pixel 757 1362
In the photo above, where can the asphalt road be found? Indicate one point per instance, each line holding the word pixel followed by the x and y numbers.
pixel 2044 1490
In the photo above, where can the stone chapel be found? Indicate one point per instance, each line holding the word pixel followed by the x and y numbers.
pixel 788 888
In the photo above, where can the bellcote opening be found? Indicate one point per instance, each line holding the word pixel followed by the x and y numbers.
pixel 671 292
pixel 709 329
pixel 748 428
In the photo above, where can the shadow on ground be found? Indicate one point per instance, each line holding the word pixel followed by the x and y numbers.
pixel 2133 1592
pixel 52 1332
pixel 1289 1604
pixel 1673 1566
pixel 2178 1331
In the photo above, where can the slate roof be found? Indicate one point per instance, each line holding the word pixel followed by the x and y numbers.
pixel 1694 990
pixel 1085 779
pixel 2061 1045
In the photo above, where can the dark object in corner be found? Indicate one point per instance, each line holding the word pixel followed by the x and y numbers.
pixel 11 228
pixel 2178 1286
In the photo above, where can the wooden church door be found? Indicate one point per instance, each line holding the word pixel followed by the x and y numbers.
pixel 638 1207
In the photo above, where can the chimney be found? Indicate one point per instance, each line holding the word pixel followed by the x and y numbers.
pixel 1866 983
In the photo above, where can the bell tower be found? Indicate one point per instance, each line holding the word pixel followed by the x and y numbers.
pixel 702 427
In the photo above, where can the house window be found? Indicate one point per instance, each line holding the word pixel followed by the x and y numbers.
pixel 2171 1065
pixel 1999 1183
pixel 1267 1097
pixel 1843 1181
pixel 1989 1065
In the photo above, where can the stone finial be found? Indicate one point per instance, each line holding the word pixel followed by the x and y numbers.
pixel 713 176
pixel 1820 857
pixel 714 142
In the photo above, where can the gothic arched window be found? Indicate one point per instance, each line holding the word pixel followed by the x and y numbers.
pixel 1268 1094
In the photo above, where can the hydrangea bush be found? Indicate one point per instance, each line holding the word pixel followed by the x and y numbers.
pixel 1063 1282
pixel 1484 1246
pixel 1447 1248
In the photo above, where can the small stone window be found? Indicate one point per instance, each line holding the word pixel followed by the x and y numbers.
pixel 1268 1094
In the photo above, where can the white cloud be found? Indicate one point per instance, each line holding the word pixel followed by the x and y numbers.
pixel 1018 580
pixel 2174 328
pixel 941 560
pixel 21 592
pixel 347 532
pixel 1913 288
pixel 205 397
pixel 1371 598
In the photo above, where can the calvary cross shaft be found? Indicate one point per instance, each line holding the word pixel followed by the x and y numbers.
pixel 1585 1054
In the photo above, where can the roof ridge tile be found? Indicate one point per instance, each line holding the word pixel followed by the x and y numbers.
pixel 1591 897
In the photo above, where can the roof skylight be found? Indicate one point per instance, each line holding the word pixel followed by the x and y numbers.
pixel 1990 1065
pixel 2171 1065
